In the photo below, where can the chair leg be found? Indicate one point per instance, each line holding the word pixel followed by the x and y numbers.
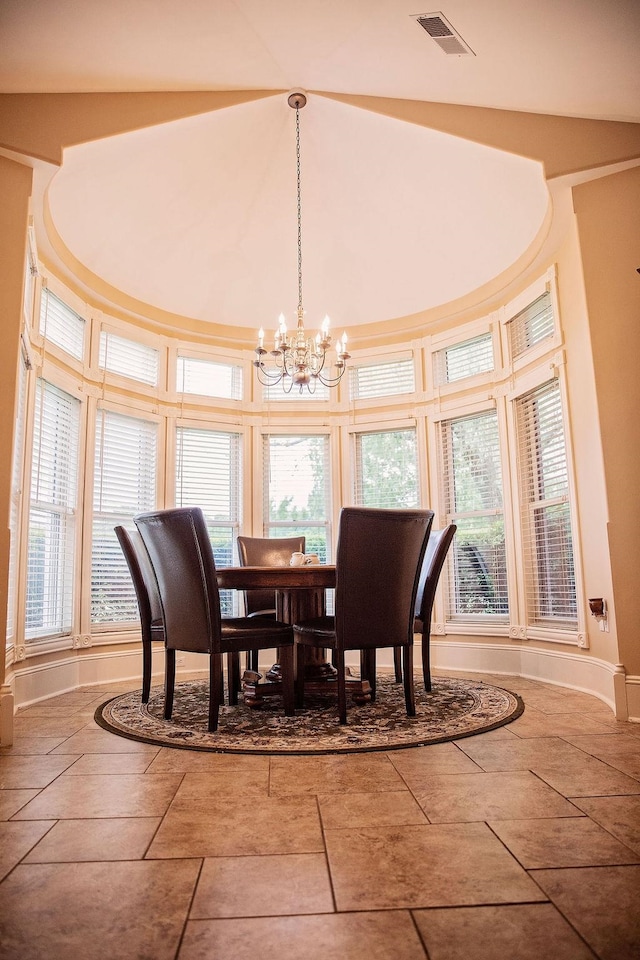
pixel 252 660
pixel 146 670
pixel 368 669
pixel 287 669
pixel 299 661
pixel 426 661
pixel 407 669
pixel 342 687
pixel 215 683
pixel 233 677
pixel 169 682
pixel 397 663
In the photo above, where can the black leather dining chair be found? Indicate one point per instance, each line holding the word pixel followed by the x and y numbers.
pixel 378 561
pixel 147 596
pixel 434 558
pixel 179 548
pixel 264 552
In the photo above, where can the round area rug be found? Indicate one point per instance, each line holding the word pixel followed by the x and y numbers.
pixel 455 708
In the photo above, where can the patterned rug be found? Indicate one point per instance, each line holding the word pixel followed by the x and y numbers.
pixel 455 708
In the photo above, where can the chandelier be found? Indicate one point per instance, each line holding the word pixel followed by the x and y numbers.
pixel 299 358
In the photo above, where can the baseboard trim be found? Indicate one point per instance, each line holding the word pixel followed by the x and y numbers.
pixel 33 683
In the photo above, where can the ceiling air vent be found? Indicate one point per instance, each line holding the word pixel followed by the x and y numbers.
pixel 440 30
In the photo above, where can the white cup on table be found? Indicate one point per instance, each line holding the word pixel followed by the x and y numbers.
pixel 297 559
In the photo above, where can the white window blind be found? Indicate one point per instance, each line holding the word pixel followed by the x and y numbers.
pixel 209 475
pixel 466 359
pixel 546 512
pixel 126 463
pixel 52 515
pixel 61 325
pixel 128 358
pixel 208 378
pixel 16 496
pixel 472 493
pixel 296 490
pixel 386 469
pixel 388 379
pixel 531 326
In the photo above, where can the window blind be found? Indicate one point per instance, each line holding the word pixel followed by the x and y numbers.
pixel 209 475
pixel 208 378
pixel 296 490
pixel 531 326
pixel 386 469
pixel 546 514
pixel 128 358
pixel 466 359
pixel 392 378
pixel 125 470
pixel 472 493
pixel 52 514
pixel 61 325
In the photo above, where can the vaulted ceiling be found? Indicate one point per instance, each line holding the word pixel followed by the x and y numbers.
pixel 196 215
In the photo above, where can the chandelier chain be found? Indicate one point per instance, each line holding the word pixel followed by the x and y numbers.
pixel 299 210
pixel 300 359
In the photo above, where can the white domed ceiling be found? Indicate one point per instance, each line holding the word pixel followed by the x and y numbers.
pixel 198 217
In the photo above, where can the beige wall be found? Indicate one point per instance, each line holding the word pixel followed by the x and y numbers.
pixel 608 214
pixel 15 191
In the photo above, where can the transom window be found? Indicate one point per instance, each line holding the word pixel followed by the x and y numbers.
pixel 128 358
pixel 391 378
pixel 466 359
pixel 61 325
pixel 208 378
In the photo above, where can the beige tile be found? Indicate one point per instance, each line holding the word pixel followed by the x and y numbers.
pixel 425 761
pixel 96 910
pixel 601 903
pixel 369 810
pixel 567 842
pixel 619 815
pixel 531 931
pixel 12 800
pixel 22 773
pixel 215 774
pixel 63 726
pixel 385 868
pixel 490 796
pixel 72 841
pixel 585 778
pixel 627 763
pixel 128 795
pixel 95 740
pixel 535 723
pixel 26 746
pixel 611 744
pixel 241 827
pixel 370 772
pixel 357 936
pixel 16 839
pixel 266 886
pixel 111 763
pixel 519 754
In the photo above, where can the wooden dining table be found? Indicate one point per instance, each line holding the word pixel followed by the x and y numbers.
pixel 300 593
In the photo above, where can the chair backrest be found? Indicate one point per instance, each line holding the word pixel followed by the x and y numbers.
pixel 435 555
pixel 144 581
pixel 378 561
pixel 179 547
pixel 266 552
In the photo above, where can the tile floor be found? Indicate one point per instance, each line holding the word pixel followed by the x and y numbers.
pixel 522 843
